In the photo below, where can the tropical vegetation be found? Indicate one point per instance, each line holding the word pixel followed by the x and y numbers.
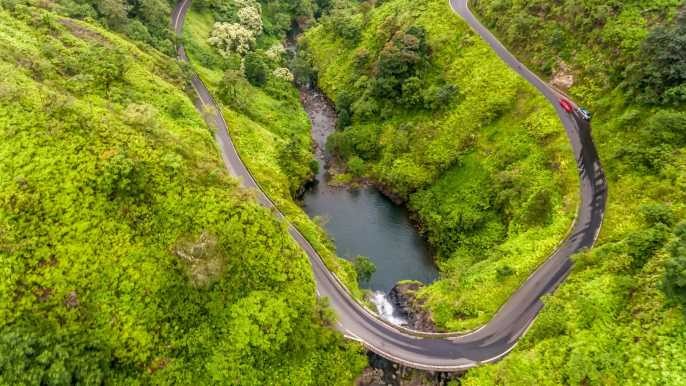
pixel 430 114
pixel 262 107
pixel 128 254
pixel 619 318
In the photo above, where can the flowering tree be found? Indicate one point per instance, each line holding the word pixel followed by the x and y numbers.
pixel 248 3
pixel 283 73
pixel 250 18
pixel 232 38
pixel 274 52
pixel 238 38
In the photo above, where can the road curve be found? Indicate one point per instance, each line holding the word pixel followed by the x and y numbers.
pixel 449 351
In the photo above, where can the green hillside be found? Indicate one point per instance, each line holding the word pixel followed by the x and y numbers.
pixel 619 318
pixel 432 116
pixel 128 255
pixel 263 111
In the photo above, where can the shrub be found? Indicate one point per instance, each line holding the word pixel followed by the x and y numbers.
pixel 400 59
pixel 658 77
pixel 344 119
pixel 176 108
pixel 113 11
pixel 675 272
pixel 140 115
pixel 346 25
pixel 665 127
pixel 438 97
pixel 106 66
pixel 153 13
pixel 229 89
pixel 503 272
pixel 643 244
pixel 122 177
pixel 356 166
pixel 362 58
pixel 412 92
pixel 656 140
pixel 256 69
pixel 52 355
pixel 365 108
pixel 76 10
pixel 283 74
pixel 344 101
pixel 537 208
pixel 364 267
pixel 314 166
pixel 275 52
pixel 302 68
pixel 137 31
pixel 657 213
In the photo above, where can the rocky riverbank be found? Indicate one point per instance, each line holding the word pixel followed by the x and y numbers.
pixel 409 307
pixel 382 372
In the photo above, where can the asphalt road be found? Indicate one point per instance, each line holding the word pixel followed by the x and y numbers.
pixel 449 351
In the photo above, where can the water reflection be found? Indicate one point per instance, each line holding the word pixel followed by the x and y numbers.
pixel 363 221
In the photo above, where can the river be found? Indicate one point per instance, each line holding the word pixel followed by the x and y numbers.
pixel 363 221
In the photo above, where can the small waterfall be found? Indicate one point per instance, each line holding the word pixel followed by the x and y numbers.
pixel 385 308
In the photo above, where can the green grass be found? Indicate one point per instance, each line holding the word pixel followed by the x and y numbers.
pixel 472 171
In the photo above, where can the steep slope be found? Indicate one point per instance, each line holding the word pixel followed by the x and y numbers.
pixel 435 118
pixel 451 352
pixel 265 118
pixel 619 318
pixel 128 254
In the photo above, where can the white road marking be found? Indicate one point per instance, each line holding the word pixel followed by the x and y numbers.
pixel 336 281
pixel 181 12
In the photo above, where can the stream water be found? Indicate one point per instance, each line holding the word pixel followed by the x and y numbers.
pixel 363 221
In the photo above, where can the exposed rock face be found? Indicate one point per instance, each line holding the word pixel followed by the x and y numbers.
pixel 385 373
pixel 409 307
pixel 72 300
pixel 388 192
pixel 382 372
pixel 371 377
pixel 563 78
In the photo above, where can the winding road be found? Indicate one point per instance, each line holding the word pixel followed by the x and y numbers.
pixel 442 351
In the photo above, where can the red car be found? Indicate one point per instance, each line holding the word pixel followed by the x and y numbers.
pixel 566 105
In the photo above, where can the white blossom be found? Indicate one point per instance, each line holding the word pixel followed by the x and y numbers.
pixel 274 52
pixel 250 18
pixel 283 73
pixel 231 38
pixel 248 4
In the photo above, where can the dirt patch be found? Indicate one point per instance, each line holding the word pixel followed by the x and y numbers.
pixel 563 77
pixel 72 300
pixel 84 33
pixel 202 257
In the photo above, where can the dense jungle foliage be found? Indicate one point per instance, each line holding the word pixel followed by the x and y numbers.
pixel 254 86
pixel 129 256
pixel 127 253
pixel 619 318
pixel 145 21
pixel 436 119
